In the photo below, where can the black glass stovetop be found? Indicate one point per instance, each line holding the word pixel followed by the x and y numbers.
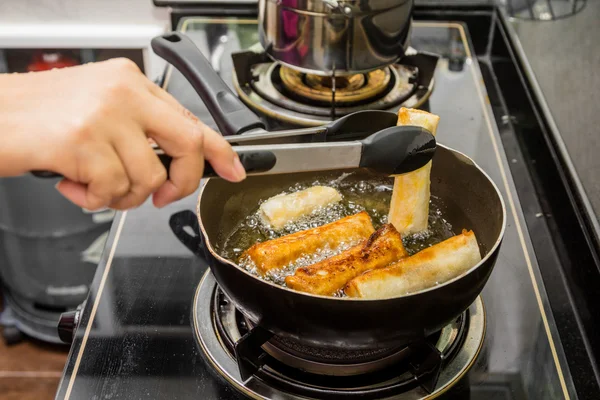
pixel 136 340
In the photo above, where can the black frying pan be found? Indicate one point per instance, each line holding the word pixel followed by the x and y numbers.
pixel 470 200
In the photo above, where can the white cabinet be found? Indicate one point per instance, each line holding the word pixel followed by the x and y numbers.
pixel 79 31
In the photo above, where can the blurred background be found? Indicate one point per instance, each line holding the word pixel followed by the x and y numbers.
pixel 49 248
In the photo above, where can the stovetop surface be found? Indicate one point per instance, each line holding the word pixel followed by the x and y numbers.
pixel 136 340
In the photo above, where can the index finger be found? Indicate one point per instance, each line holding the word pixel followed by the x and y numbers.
pixel 184 140
pixel 216 149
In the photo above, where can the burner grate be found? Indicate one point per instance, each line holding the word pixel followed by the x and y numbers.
pixel 348 90
pixel 292 97
pixel 371 373
pixel 330 356
pixel 250 358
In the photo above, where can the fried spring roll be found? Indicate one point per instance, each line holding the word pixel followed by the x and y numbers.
pixel 434 265
pixel 409 208
pixel 278 253
pixel 328 276
pixel 284 208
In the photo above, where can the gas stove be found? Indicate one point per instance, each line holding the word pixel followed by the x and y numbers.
pixel 156 324
pixel 262 365
pixel 286 95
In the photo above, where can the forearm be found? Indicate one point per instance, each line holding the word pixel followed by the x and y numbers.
pixel 16 117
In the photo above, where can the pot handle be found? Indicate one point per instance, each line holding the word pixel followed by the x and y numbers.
pixel 187 219
pixel 426 63
pixel 230 114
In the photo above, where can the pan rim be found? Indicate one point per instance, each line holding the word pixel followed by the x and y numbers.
pixel 488 255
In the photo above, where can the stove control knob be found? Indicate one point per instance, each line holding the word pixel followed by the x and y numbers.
pixel 68 323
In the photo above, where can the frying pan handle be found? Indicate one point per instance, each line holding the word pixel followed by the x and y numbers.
pixel 230 114
pixel 254 161
pixel 184 219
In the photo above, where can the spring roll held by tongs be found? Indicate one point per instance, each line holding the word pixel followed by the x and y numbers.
pixel 409 208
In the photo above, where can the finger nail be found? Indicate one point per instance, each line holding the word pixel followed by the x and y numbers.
pixel 238 168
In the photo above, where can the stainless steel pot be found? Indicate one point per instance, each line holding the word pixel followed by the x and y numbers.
pixel 340 37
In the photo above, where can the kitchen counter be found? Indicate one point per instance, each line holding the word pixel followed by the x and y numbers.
pixel 136 340
pixel 562 58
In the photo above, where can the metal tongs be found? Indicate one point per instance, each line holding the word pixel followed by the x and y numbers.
pixel 392 151
pixel 365 139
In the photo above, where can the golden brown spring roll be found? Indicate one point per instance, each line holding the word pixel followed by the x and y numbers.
pixel 409 208
pixel 283 251
pixel 284 208
pixel 328 276
pixel 434 265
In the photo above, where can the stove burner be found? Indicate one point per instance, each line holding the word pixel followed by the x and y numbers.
pixel 338 357
pixel 348 89
pixel 285 95
pixel 288 371
pixel 326 362
pixel 273 98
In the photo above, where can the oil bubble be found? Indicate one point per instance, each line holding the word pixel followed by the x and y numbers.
pixel 363 187
pixel 252 222
pixel 375 200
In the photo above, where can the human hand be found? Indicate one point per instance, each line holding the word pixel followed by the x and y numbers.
pixel 92 124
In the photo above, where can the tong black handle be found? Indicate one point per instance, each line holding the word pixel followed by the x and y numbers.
pixel 230 114
pixel 254 161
